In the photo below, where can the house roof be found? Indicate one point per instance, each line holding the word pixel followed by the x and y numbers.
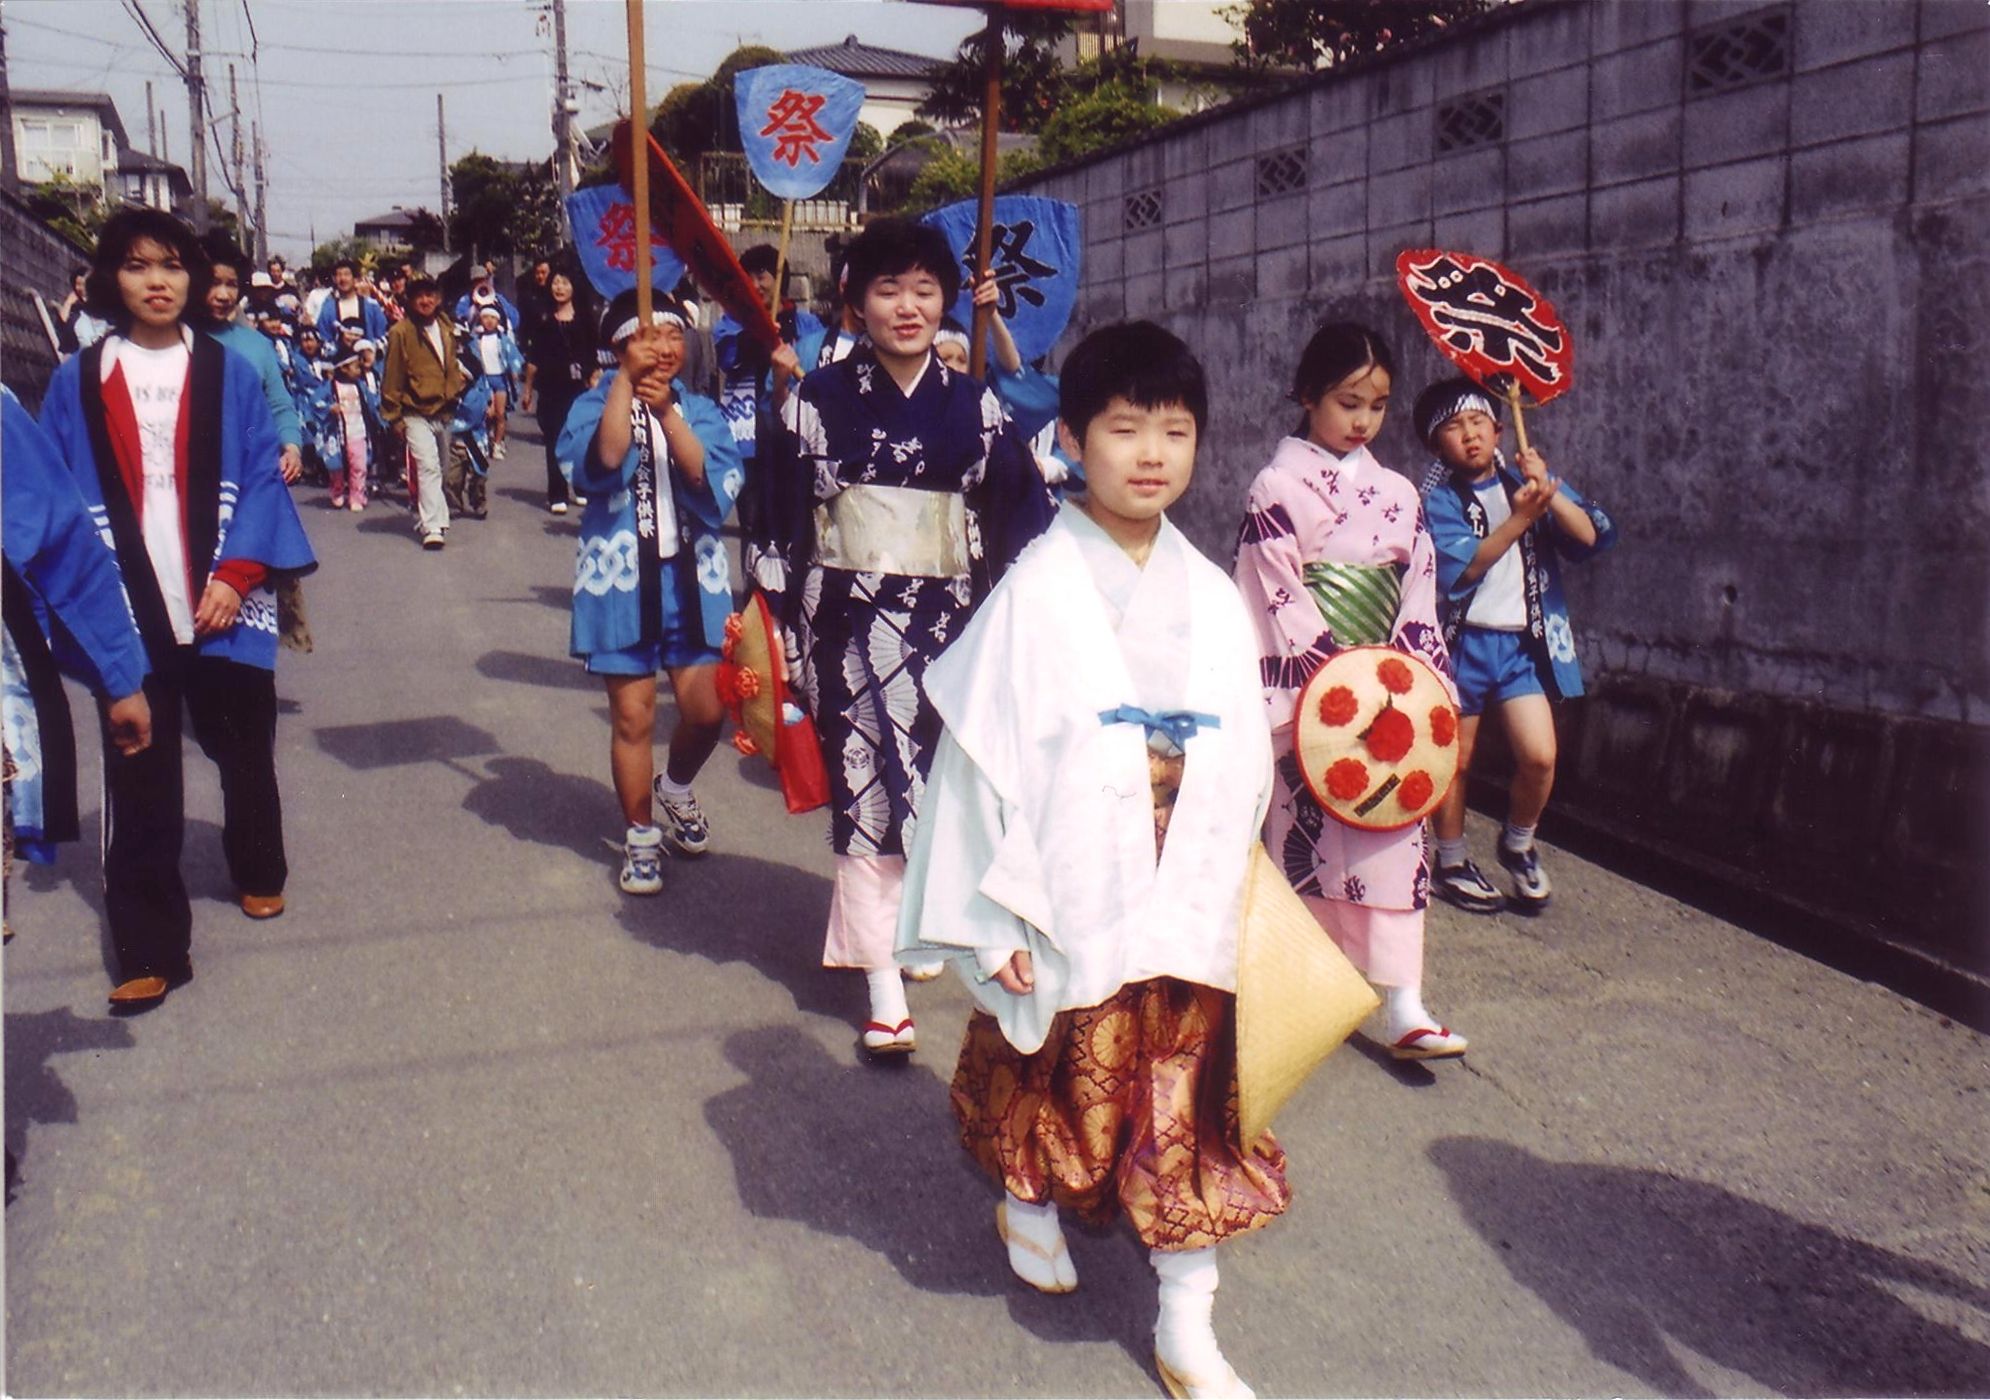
pixel 99 102
pixel 136 162
pixel 399 218
pixel 859 60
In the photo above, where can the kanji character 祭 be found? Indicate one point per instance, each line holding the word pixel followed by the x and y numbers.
pixel 791 122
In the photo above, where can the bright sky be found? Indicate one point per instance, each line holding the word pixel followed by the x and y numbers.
pixel 347 90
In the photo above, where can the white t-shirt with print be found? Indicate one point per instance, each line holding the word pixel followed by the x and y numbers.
pixel 1501 602
pixel 157 379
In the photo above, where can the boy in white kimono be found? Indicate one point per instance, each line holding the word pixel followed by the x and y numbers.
pixel 1079 856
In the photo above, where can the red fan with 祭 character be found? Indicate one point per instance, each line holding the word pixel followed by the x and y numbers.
pixel 1491 324
pixel 1376 734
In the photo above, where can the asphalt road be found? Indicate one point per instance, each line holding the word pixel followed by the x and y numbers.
pixel 466 1120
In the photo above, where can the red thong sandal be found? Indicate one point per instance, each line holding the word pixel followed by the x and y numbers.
pixel 880 1040
pixel 1429 1043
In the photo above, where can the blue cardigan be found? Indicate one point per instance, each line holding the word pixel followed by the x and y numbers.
pixel 607 607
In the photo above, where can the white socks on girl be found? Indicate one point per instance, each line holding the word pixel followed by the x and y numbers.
pixel 890 1030
pixel 1185 1350
pixel 1411 1031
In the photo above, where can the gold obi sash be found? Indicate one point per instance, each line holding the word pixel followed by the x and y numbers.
pixel 893 530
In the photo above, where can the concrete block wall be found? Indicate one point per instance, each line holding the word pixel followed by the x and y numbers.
pixel 1775 281
pixel 36 259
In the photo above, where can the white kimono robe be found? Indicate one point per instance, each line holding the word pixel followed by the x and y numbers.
pixel 1036 830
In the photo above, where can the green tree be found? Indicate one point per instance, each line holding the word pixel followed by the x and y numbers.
pixel 696 118
pixel 539 219
pixel 1316 33
pixel 865 142
pixel 483 191
pixel 73 208
pixel 952 175
pixel 425 230
pixel 1032 79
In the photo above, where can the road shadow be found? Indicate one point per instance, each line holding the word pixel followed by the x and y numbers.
pixel 873 1157
pixel 389 523
pixel 756 771
pixel 732 908
pixel 527 496
pixel 527 668
pixel 79 865
pixel 394 743
pixel 1412 1074
pixel 1635 1260
pixel 558 597
pixel 536 803
pixel 35 1093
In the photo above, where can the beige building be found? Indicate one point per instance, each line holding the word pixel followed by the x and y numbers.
pixel 72 134
pixel 895 82
pixel 1193 34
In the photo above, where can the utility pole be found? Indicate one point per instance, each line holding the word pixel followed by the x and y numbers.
pixel 197 119
pixel 442 168
pixel 10 169
pixel 563 105
pixel 262 217
pixel 151 125
pixel 235 140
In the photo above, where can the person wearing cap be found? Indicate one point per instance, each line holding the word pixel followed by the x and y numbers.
pixel 652 583
pixel 1502 532
pixel 423 381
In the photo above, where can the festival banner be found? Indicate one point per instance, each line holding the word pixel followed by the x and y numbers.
pixel 1488 321
pixel 603 220
pixel 795 122
pixel 686 225
pixel 1036 261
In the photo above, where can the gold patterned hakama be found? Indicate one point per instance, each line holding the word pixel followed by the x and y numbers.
pixel 1130 1104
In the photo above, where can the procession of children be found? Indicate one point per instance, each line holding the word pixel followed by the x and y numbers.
pixel 1056 743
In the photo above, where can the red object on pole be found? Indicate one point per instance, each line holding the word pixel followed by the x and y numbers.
pixel 687 227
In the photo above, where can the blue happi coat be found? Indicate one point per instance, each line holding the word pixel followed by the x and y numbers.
pixel 1458 524
pixel 371 315
pixel 237 506
pixel 56 568
pixel 746 392
pixel 607 612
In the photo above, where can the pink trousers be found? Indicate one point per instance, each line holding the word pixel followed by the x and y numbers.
pixel 350 480
pixel 1386 944
pixel 863 912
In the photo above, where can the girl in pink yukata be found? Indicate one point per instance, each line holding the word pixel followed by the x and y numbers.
pixel 1334 553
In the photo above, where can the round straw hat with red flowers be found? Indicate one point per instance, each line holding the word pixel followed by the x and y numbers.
pixel 1377 738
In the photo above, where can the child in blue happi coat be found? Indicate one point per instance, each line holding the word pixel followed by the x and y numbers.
pixel 1501 533
pixel 652 584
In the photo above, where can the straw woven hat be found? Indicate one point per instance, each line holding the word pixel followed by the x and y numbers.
pixel 1297 995
pixel 747 681
pixel 1377 738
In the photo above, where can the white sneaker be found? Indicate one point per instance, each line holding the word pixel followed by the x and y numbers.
pixel 683 822
pixel 432 540
pixel 497 452
pixel 558 507
pixel 642 860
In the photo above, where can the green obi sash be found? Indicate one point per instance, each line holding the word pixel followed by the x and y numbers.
pixel 1359 601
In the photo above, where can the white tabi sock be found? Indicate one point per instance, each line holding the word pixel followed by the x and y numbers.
pixel 1405 1011
pixel 1184 1337
pixel 888 1005
pixel 1517 838
pixel 1451 854
pixel 1037 1254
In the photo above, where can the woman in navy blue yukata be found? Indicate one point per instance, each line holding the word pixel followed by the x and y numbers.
pixel 895 495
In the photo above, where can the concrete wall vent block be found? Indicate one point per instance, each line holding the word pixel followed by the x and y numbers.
pixel 1282 172
pixel 1141 210
pixel 1478 119
pixel 1737 52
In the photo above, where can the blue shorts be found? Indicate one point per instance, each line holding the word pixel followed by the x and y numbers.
pixel 498 384
pixel 1492 667
pixel 682 642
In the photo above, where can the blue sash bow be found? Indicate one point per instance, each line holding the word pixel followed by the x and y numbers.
pixel 1179 725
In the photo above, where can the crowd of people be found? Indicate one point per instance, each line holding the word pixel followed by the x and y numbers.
pixel 1053 733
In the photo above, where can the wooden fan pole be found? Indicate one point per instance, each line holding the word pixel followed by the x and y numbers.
pixel 1519 423
pixel 781 260
pixel 991 121
pixel 639 159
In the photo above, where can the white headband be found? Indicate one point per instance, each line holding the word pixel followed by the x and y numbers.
pixel 949 336
pixel 657 318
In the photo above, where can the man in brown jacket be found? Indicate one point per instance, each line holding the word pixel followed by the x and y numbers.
pixel 418 396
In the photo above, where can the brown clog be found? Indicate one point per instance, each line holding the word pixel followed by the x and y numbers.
pixel 262 906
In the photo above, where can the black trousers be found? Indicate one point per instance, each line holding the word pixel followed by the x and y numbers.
pixel 232 710
pixel 553 417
